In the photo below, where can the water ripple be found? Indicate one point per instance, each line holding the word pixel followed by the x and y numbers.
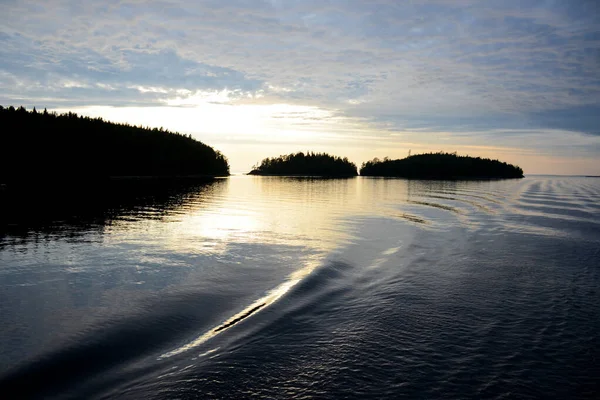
pixel 304 288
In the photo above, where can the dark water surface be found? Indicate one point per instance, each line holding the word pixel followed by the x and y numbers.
pixel 265 287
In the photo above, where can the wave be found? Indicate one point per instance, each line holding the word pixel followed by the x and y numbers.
pixel 107 345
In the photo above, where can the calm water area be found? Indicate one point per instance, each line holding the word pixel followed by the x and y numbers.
pixel 268 287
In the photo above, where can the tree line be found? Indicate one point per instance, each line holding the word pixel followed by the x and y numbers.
pixel 39 145
pixel 315 164
pixel 45 144
pixel 441 166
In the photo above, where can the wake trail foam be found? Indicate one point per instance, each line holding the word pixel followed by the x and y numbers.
pixel 260 304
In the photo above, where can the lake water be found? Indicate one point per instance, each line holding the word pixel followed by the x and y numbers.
pixel 266 287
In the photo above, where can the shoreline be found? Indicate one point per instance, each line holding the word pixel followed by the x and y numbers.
pixel 302 175
pixel 457 178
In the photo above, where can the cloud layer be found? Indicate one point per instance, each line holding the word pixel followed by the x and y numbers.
pixel 485 70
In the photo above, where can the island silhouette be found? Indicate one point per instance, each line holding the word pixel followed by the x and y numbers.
pixel 42 146
pixel 45 147
pixel 446 166
pixel 309 164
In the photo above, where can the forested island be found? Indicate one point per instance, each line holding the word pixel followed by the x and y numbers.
pixel 309 164
pixel 48 146
pixel 441 166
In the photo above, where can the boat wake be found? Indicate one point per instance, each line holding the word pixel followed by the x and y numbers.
pixel 260 304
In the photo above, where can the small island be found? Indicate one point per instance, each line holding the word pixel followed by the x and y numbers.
pixel 309 164
pixel 446 166
pixel 45 146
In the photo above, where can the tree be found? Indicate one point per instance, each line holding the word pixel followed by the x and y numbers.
pixel 68 145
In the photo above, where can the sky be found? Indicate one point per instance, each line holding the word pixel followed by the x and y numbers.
pixel 517 80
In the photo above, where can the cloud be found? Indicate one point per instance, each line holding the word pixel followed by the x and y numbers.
pixel 464 67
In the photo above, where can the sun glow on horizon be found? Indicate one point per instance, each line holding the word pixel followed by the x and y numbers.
pixel 246 133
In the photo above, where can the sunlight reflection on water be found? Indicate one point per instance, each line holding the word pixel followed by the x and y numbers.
pixel 362 272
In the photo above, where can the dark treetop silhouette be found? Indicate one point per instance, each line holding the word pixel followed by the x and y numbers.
pixel 41 145
pixel 441 166
pixel 310 164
